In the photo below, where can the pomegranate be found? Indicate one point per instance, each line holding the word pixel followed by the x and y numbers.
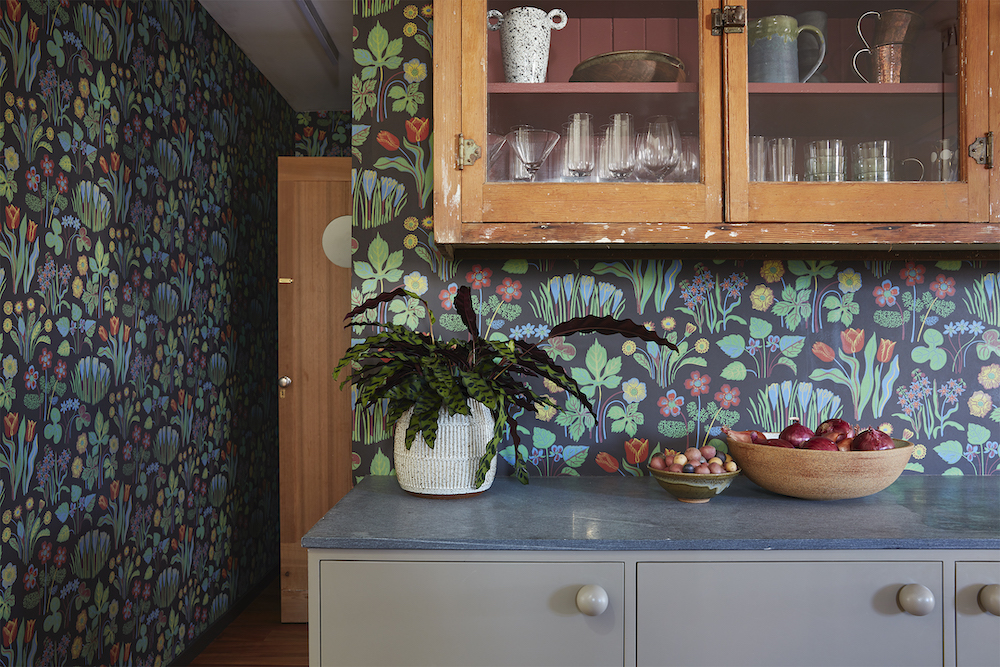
pixel 872 440
pixel 835 430
pixel 796 433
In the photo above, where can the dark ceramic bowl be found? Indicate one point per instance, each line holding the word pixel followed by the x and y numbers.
pixel 691 487
pixel 631 67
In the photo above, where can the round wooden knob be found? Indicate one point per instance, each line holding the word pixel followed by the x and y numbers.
pixel 916 599
pixel 989 599
pixel 592 600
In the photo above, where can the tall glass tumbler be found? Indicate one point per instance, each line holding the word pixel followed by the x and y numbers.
pixel 579 148
pixel 781 159
pixel 758 158
pixel 620 145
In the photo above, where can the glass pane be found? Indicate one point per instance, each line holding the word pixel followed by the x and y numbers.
pixel 853 90
pixel 615 84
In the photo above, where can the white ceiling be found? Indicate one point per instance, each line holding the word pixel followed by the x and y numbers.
pixel 280 39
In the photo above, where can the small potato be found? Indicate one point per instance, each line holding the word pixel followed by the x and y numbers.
pixel 675 467
pixel 714 459
pixel 708 451
pixel 731 466
pixel 680 460
pixel 715 468
pixel 693 454
pixel 703 469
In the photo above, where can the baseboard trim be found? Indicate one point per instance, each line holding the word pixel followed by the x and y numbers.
pixel 202 641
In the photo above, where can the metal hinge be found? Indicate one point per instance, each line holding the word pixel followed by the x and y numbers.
pixel 468 152
pixel 981 150
pixel 731 18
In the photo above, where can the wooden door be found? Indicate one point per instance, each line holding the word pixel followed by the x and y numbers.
pixel 314 414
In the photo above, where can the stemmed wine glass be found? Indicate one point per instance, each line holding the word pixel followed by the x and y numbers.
pixel 532 146
pixel 658 146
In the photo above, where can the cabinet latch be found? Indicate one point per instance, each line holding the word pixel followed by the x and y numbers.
pixel 468 152
pixel 981 150
pixel 731 18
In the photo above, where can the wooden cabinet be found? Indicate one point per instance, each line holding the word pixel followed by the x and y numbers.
pixel 390 607
pixel 482 205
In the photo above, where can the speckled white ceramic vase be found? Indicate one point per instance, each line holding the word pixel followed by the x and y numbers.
pixel 524 41
pixel 449 469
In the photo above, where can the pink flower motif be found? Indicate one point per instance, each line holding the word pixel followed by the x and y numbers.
pixel 670 405
pixel 447 296
pixel 943 286
pixel 912 273
pixel 697 384
pixel 728 397
pixel 885 294
pixel 479 277
pixel 509 289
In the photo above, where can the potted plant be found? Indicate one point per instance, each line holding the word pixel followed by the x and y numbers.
pixel 426 379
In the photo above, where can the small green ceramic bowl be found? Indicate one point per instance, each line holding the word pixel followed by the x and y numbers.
pixel 691 487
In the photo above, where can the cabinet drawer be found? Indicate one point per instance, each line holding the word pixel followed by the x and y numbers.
pixel 787 613
pixel 977 633
pixel 468 613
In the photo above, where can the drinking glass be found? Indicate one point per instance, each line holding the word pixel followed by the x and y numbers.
pixel 825 160
pixel 758 158
pixel 658 146
pixel 532 146
pixel 689 166
pixel 579 146
pixel 619 142
pixel 781 159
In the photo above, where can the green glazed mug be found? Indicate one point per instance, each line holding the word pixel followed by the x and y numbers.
pixel 773 55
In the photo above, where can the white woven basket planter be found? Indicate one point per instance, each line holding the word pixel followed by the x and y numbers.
pixel 449 469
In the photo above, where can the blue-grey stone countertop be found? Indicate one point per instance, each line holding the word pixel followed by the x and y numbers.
pixel 629 514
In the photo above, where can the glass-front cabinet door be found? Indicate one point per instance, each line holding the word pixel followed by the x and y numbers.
pixel 773 123
pixel 859 111
pixel 592 118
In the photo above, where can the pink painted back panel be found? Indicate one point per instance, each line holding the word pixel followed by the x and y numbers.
pixel 583 38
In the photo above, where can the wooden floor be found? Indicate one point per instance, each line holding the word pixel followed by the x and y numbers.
pixel 258 638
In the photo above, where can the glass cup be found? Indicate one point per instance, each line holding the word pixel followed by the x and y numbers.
pixel 758 158
pixel 873 161
pixel 658 147
pixel 579 145
pixel 825 160
pixel 944 160
pixel 620 146
pixel 781 159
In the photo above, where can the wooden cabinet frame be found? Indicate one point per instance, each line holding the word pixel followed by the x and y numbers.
pixel 724 211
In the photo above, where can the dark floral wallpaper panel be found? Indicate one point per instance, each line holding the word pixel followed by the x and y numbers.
pixel 138 466
pixel 908 346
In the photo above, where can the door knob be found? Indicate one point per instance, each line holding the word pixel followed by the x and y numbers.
pixel 592 600
pixel 989 599
pixel 916 599
pixel 284 381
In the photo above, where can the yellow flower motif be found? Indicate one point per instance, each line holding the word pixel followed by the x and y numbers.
pixel 415 282
pixel 8 307
pixel 410 29
pixel 410 11
pixel 427 223
pixel 8 116
pixel 849 281
pixel 7 515
pixel 689 328
pixel 989 376
pixel 9 575
pixel 30 504
pixel 762 298
pixel 885 427
pixel 772 270
pixel 628 347
pixel 414 71
pixel 77 467
pixel 701 346
pixel 77 287
pixel 6 534
pixel 18 307
pixel 17 513
pixel 81 443
pixel 32 105
pixel 9 98
pixel 410 224
pixel 545 412
pixel 30 303
pixel 7 325
pixel 919 451
pixel 980 404
pixel 84 87
pixel 427 11
pixel 81 265
pixel 668 323
pixel 9 366
pixel 410 241
pixel 10 158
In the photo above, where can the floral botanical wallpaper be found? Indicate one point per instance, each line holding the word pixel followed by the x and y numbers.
pixel 138 466
pixel 909 346
pixel 322 134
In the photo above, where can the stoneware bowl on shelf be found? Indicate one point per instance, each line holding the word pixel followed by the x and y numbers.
pixel 690 487
pixel 820 475
pixel 631 67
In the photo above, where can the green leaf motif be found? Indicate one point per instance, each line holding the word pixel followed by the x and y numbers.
pixel 380 464
pixel 734 372
pixel 953 472
pixel 575 455
pixel 932 353
pixel 759 328
pixel 734 345
pixel 950 451
pixel 978 435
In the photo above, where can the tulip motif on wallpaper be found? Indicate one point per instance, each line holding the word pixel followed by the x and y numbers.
pixel 414 161
pixel 870 380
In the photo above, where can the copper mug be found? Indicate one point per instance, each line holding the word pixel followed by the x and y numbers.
pixel 895 31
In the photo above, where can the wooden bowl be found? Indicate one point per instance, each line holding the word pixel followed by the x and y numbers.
pixel 631 66
pixel 691 487
pixel 820 475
